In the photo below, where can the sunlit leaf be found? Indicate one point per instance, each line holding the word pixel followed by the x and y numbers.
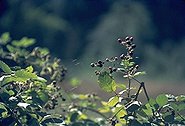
pixel 24 42
pixel 29 69
pixel 113 101
pixel 161 100
pixel 5 38
pixel 25 75
pixel 104 109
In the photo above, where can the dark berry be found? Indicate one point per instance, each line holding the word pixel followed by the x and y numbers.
pixel 137 66
pixel 100 65
pixel 99 61
pixel 131 38
pixel 54 82
pixel 110 68
pixel 127 38
pixel 119 40
pixel 107 59
pixel 63 99
pixel 128 43
pixel 114 69
pixel 131 53
pixel 97 72
pixel 92 65
pixel 116 58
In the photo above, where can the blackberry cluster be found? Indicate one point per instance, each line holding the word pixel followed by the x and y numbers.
pixel 110 63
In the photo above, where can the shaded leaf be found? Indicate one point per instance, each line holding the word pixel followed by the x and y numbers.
pixel 5 67
pixel 106 82
pixel 133 106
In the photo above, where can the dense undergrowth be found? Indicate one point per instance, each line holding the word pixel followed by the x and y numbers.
pixel 31 92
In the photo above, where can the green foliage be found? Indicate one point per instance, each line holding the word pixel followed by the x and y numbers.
pixel 30 95
pixel 124 106
pixel 27 90
pixel 106 82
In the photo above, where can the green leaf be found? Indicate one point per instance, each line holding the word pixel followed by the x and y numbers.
pixel 25 75
pixel 29 69
pixel 181 107
pixel 120 113
pixel 113 101
pixel 148 110
pixel 43 96
pixel 24 42
pixel 106 82
pixel 162 100
pixel 5 38
pixel 5 67
pixel 11 49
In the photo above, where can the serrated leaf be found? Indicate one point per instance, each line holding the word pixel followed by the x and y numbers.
pixel 5 67
pixel 106 82
pixel 161 100
pixel 29 69
pixel 25 75
pixel 113 101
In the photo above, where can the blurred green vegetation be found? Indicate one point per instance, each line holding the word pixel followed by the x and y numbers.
pixel 83 31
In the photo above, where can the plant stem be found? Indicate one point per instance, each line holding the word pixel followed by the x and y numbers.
pixel 129 83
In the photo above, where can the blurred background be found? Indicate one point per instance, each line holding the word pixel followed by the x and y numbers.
pixel 80 32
